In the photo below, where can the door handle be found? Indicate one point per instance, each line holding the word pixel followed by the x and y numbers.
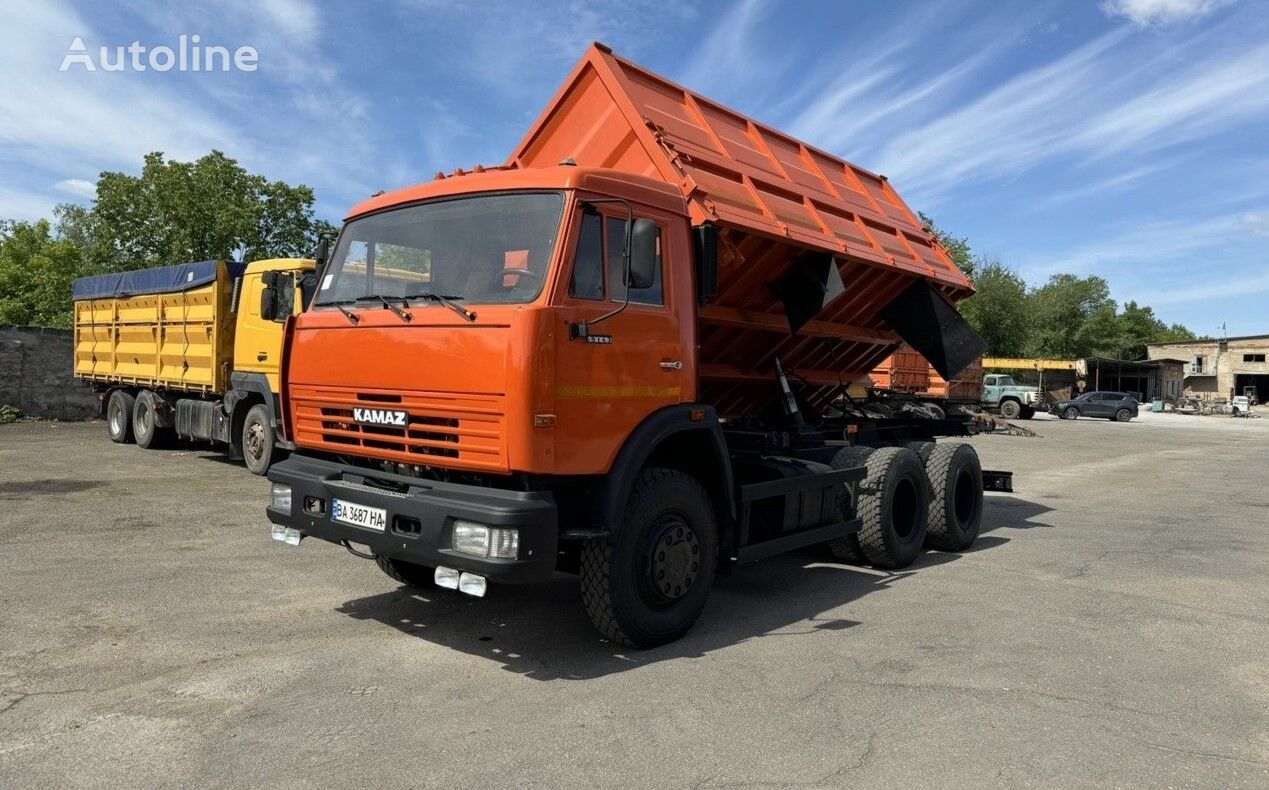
pixel 262 356
pixel 667 364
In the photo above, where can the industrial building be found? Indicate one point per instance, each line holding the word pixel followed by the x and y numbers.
pixel 1218 369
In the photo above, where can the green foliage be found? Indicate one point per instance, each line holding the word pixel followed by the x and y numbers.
pixel 999 310
pixel 211 208
pixel 957 248
pixel 9 414
pixel 172 212
pixel 1066 318
pixel 36 271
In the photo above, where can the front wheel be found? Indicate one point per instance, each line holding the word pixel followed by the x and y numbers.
pixel 257 440
pixel 1070 413
pixel 1123 415
pixel 646 584
pixel 1010 409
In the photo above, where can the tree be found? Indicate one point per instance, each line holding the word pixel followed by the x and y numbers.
pixel 999 309
pixel 957 248
pixel 36 272
pixel 1071 316
pixel 211 208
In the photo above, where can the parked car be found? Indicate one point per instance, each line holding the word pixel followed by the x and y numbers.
pixel 1118 406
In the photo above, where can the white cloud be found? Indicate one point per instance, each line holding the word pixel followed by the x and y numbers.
pixel 1220 288
pixel 77 187
pixel 1149 13
pixel 1257 222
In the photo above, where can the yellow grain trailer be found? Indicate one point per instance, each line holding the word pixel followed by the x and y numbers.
pixel 191 350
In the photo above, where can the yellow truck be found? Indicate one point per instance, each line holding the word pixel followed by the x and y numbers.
pixel 191 351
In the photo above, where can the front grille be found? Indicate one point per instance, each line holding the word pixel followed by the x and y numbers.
pixel 464 430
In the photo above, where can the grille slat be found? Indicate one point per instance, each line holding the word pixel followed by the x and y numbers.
pixel 464 430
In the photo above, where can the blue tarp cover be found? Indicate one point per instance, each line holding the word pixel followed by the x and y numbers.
pixel 165 279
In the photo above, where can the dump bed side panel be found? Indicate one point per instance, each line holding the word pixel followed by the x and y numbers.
pixel 903 371
pixel 178 337
pixel 775 200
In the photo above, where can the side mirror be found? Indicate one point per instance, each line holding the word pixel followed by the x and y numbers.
pixel 322 252
pixel 269 301
pixel 643 254
pixel 270 279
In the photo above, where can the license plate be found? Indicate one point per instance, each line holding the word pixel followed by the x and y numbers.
pixel 375 518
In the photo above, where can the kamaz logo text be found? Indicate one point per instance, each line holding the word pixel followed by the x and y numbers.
pixel 380 416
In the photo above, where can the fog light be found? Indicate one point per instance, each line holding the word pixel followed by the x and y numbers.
pixel 282 496
pixel 479 540
pixel 447 578
pixel 472 584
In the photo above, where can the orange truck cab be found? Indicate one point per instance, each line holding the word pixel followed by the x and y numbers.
pixel 624 354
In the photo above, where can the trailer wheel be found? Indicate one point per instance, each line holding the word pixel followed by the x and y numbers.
pixel 119 417
pixel 846 548
pixel 893 506
pixel 406 572
pixel 956 508
pixel 145 422
pixel 1010 409
pixel 646 584
pixel 257 440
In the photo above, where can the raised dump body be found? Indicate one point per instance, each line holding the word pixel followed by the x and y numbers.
pixel 169 328
pixel 783 210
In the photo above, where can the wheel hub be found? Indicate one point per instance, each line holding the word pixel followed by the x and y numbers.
pixel 676 560
pixel 255 440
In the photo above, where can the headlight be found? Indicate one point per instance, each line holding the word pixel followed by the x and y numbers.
pixel 480 540
pixel 281 496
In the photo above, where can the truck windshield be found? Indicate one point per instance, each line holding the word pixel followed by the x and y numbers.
pixel 484 250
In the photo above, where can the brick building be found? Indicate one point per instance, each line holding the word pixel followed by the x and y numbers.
pixel 1220 369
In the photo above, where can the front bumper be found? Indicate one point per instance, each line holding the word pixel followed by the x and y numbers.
pixel 420 519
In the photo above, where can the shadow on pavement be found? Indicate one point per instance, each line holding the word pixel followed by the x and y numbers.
pixel 542 631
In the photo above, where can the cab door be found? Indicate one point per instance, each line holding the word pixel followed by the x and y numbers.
pixel 257 341
pixel 633 362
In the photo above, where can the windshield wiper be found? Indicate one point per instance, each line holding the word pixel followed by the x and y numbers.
pixel 339 305
pixel 449 301
pixel 388 305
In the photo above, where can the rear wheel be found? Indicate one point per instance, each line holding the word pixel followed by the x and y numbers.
pixel 119 417
pixel 846 548
pixel 893 503
pixel 1123 415
pixel 1010 409
pixel 406 572
pixel 646 584
pixel 146 423
pixel 257 440
pixel 1070 413
pixel 956 505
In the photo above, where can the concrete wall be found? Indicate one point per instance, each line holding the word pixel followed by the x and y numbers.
pixel 1222 363
pixel 35 374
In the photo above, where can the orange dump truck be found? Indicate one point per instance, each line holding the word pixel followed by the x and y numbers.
pixel 623 354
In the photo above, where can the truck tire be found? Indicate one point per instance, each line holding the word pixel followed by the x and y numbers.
pixel 407 572
pixel 646 583
pixel 894 502
pixel 145 422
pixel 258 440
pixel 935 410
pixel 922 449
pixel 119 417
pixel 1027 412
pixel 846 548
pixel 956 506
pixel 1010 409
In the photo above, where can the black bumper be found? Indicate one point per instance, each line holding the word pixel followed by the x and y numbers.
pixel 421 514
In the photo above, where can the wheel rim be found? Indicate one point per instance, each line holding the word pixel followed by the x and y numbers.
pixel 1071 414
pixel 673 560
pixel 144 417
pixel 116 419
pixel 254 440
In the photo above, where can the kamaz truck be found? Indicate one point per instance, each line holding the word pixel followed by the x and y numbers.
pixel 191 350
pixel 624 354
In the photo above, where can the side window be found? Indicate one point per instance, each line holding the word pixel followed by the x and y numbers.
pixel 588 265
pixel 616 282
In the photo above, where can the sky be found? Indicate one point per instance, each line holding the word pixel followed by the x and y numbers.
pixel 1123 138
